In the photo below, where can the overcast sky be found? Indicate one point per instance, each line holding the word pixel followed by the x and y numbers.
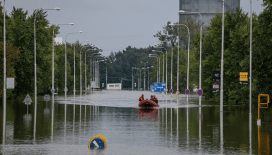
pixel 112 25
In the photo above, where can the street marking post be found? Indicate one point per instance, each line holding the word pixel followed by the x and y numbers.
pixel 259 106
pixel 27 101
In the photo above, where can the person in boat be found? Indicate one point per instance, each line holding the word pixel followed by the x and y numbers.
pixel 141 98
pixel 154 98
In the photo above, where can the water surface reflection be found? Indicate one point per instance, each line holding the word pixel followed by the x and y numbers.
pixel 173 128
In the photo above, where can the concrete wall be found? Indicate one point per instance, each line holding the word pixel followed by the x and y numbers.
pixel 207 8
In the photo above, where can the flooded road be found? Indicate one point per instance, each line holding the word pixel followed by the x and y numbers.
pixel 66 127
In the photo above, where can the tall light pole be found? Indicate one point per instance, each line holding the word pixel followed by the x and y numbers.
pixel 158 67
pixel 144 77
pixel 171 76
pixel 250 74
pixel 4 76
pixel 250 80
pixel 138 77
pixel 222 61
pixel 144 72
pixel 94 63
pixel 200 58
pixel 98 60
pixel 166 65
pixel 148 78
pixel 53 59
pixel 86 72
pixel 80 71
pixel 188 58
pixel 94 66
pixel 65 89
pixel 74 71
pixel 162 66
pixel 177 61
pixel 132 79
pixel 107 73
pixel 35 67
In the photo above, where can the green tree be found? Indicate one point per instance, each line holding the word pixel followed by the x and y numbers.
pixel 261 53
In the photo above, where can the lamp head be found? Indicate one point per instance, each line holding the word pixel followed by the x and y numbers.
pixel 71 23
pixel 57 8
pixel 181 11
pixel 79 31
pixel 171 24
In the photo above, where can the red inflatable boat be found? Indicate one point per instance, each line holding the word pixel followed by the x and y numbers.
pixel 148 104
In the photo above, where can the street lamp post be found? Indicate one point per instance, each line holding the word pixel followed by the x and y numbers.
pixel 171 81
pixel 138 76
pixel 250 74
pixel 144 72
pixel 107 74
pixel 162 66
pixel 165 66
pixel 188 58
pixel 144 77
pixel 35 68
pixel 86 72
pixel 65 89
pixel 148 87
pixel 35 65
pixel 98 60
pixel 74 71
pixel 80 71
pixel 53 59
pixel 200 58
pixel 4 76
pixel 94 66
pixel 222 61
pixel 132 79
pixel 158 67
pixel 140 79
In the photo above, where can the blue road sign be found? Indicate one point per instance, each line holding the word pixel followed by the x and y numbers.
pixel 187 91
pixel 199 92
pixel 159 87
pixel 171 91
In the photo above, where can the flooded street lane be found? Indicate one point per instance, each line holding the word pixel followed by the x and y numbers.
pixel 173 128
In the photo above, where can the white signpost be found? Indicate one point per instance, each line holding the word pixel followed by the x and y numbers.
pixel 27 101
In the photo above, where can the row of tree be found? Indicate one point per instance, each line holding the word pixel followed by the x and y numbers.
pixel 20 55
pixel 236 53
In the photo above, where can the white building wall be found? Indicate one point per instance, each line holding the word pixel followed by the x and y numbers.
pixel 114 86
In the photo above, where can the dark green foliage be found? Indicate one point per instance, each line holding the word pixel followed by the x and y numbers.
pixel 121 67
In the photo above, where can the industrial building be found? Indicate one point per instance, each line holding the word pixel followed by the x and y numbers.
pixel 207 8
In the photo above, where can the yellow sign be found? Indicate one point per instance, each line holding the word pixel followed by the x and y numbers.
pixel 243 76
